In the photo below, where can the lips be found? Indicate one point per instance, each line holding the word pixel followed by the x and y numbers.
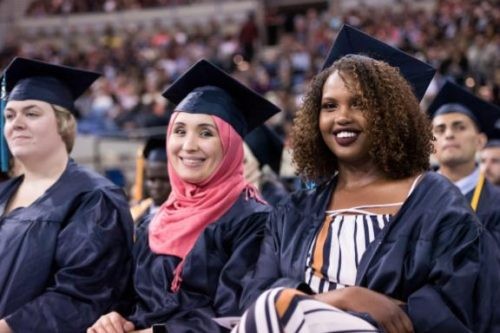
pixel 192 162
pixel 345 137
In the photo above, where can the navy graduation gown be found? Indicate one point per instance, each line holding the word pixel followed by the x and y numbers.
pixel 488 208
pixel 211 278
pixel 66 258
pixel 428 256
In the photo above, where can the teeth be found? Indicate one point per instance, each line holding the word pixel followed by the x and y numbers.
pixel 346 134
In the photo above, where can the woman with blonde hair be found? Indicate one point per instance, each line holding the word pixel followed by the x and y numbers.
pixel 65 232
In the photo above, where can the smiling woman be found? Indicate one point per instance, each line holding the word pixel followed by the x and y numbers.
pixel 194 146
pixel 193 254
pixel 366 250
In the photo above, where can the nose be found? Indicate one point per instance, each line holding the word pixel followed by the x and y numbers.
pixel 449 133
pixel 190 143
pixel 343 115
pixel 15 123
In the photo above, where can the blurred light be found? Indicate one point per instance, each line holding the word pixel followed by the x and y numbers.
pixel 237 59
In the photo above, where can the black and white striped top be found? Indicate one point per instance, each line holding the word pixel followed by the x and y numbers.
pixel 335 253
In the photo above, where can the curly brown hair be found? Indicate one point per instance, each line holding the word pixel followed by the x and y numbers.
pixel 400 135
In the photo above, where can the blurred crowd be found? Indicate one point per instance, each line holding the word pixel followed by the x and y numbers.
pixel 459 37
pixel 39 8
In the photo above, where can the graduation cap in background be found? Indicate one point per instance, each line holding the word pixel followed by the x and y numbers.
pixel 25 79
pixel 205 88
pixel 155 150
pixel 352 41
pixel 266 146
pixel 453 98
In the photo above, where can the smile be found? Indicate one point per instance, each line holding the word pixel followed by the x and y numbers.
pixel 345 137
pixel 192 161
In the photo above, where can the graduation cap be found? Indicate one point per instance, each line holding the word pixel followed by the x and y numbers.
pixel 25 79
pixel 266 146
pixel 205 88
pixel 353 41
pixel 154 150
pixel 453 98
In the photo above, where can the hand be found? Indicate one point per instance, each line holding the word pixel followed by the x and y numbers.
pixel 384 310
pixel 112 322
pixel 4 327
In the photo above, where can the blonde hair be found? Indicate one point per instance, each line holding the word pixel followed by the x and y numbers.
pixel 66 126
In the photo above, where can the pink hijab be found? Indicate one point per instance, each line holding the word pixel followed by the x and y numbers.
pixel 191 207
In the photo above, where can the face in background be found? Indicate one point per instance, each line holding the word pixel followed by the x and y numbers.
pixel 31 129
pixel 157 182
pixel 194 147
pixel 490 164
pixel 342 121
pixel 251 166
pixel 457 139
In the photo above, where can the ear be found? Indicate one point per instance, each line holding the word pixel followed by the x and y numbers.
pixel 481 141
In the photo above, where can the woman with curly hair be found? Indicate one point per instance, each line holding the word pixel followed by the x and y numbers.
pixel 366 250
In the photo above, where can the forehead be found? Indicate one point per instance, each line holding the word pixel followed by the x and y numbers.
pixel 336 81
pixel 451 118
pixel 194 118
pixel 19 105
pixel 491 151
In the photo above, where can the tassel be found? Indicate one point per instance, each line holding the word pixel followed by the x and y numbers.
pixel 176 282
pixel 4 152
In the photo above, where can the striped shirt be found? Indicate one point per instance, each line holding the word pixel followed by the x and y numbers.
pixel 333 259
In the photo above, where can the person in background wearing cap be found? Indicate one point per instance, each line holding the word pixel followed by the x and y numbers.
pixel 191 257
pixel 262 160
pixel 461 124
pixel 65 232
pixel 490 161
pixel 367 250
pixel 157 183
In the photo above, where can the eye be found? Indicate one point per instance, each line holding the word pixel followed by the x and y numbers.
pixel 8 116
pixel 328 106
pixel 31 114
pixel 179 131
pixel 356 103
pixel 206 133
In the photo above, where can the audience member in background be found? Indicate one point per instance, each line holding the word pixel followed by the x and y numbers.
pixel 490 160
pixel 190 258
pixel 65 232
pixel 461 125
pixel 263 151
pixel 155 175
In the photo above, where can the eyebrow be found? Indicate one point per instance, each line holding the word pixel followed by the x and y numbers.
pixel 178 123
pixel 28 107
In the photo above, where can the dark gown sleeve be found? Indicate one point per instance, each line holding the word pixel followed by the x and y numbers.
pixel 439 306
pixel 211 279
pixel 267 273
pixel 241 243
pixel 91 268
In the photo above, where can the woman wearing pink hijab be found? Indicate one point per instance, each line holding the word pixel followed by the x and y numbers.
pixel 191 258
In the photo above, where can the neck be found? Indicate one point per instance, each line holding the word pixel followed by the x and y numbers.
pixel 356 177
pixel 457 172
pixel 48 168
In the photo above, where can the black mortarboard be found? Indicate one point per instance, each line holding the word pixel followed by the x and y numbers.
pixel 353 41
pixel 266 146
pixel 54 84
pixel 155 150
pixel 204 88
pixel 453 98
pixel 25 79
